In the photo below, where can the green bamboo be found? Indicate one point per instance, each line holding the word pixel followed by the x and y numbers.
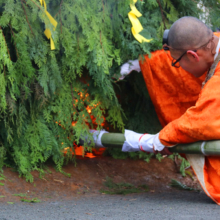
pixel 113 140
pixel 209 148
pixel 192 148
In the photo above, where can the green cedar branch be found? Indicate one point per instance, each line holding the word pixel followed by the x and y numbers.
pixel 27 17
pixel 5 43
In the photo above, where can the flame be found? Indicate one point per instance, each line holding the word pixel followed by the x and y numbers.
pixel 79 150
pixel 90 155
pixel 89 109
pixel 73 123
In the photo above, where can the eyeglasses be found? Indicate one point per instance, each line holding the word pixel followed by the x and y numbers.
pixel 175 62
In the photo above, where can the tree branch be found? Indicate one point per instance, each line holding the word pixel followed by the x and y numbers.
pixel 27 17
pixel 71 86
pixel 103 10
pixel 4 70
pixel 59 10
pixel 60 17
pixel 162 14
pixel 101 41
pixel 37 5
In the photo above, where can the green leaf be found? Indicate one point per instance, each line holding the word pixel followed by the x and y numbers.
pixel 34 200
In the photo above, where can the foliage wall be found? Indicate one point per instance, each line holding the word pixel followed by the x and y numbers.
pixel 51 98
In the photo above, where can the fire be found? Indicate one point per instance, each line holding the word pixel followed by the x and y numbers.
pixel 73 123
pixel 79 150
pixel 90 155
pixel 89 110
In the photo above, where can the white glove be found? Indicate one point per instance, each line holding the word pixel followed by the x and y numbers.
pixel 158 146
pixel 138 142
pixel 126 68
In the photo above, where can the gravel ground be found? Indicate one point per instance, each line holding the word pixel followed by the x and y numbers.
pixel 165 205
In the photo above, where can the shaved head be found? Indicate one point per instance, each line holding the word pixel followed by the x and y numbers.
pixel 188 33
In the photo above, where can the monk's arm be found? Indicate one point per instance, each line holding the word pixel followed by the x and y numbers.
pixel 200 122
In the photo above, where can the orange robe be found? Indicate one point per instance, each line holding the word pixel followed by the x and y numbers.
pixel 186 112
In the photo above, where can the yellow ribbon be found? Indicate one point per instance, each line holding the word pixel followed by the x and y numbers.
pixel 136 25
pixel 47 32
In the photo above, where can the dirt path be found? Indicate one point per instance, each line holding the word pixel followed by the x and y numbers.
pixel 89 176
pixel 78 197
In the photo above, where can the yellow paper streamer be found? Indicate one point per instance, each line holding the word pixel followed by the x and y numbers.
pixel 136 25
pixel 47 32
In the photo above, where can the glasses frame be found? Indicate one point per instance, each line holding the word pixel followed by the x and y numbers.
pixel 174 62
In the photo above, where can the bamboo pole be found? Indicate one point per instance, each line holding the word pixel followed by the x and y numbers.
pixel 207 148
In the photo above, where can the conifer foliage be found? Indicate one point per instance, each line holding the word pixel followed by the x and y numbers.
pixel 51 98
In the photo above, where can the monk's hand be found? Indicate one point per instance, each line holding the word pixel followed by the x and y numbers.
pixel 143 142
pixel 158 147
pixel 165 151
pixel 128 67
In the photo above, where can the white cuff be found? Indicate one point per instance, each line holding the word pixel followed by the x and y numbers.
pixel 146 143
pixel 137 142
pixel 97 135
pixel 158 146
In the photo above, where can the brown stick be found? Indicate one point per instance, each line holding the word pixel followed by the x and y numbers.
pixel 59 10
pixel 37 6
pixel 103 10
pixel 27 18
pixel 60 17
pixel 162 14
pixel 101 41
pixel 71 86
pixel 77 36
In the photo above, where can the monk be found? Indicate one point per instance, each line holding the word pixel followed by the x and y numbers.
pixel 184 84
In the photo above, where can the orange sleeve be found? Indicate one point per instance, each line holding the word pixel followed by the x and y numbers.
pixel 199 122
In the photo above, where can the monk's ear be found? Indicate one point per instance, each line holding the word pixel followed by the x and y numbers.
pixel 193 55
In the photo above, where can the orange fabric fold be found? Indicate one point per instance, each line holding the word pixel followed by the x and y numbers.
pixel 212 177
pixel 187 112
pixel 172 90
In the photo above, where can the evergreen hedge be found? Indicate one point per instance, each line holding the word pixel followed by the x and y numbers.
pixel 44 92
